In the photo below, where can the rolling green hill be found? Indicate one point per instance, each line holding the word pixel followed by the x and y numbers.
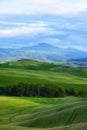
pixel 23 113
pixel 29 71
pixel 32 113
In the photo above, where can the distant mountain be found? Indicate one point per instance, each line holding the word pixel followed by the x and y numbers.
pixel 42 47
pixel 45 52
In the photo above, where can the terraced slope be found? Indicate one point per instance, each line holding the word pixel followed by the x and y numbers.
pixel 43 113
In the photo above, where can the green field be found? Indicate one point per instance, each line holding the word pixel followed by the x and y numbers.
pixel 29 71
pixel 35 113
pixel 24 113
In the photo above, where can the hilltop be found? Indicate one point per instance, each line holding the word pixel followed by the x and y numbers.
pixel 45 66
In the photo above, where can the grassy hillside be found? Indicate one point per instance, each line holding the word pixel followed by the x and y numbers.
pixel 29 71
pixel 23 113
pixel 36 65
pixel 28 113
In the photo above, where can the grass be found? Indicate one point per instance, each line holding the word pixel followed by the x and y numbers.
pixel 28 113
pixel 42 77
pixel 29 71
pixel 42 113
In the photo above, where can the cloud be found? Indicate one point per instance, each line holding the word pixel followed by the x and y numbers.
pixel 26 29
pixel 15 29
pixel 21 31
pixel 39 23
pixel 38 7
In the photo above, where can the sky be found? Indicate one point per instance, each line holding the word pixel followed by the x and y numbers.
pixel 62 23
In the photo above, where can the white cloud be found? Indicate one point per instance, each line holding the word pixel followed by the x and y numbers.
pixel 37 7
pixel 14 29
pixel 38 23
pixel 26 29
pixel 20 31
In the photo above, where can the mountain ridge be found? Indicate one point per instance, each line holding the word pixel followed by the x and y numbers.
pixel 44 52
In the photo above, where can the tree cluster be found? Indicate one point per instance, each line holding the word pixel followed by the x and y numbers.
pixel 36 90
